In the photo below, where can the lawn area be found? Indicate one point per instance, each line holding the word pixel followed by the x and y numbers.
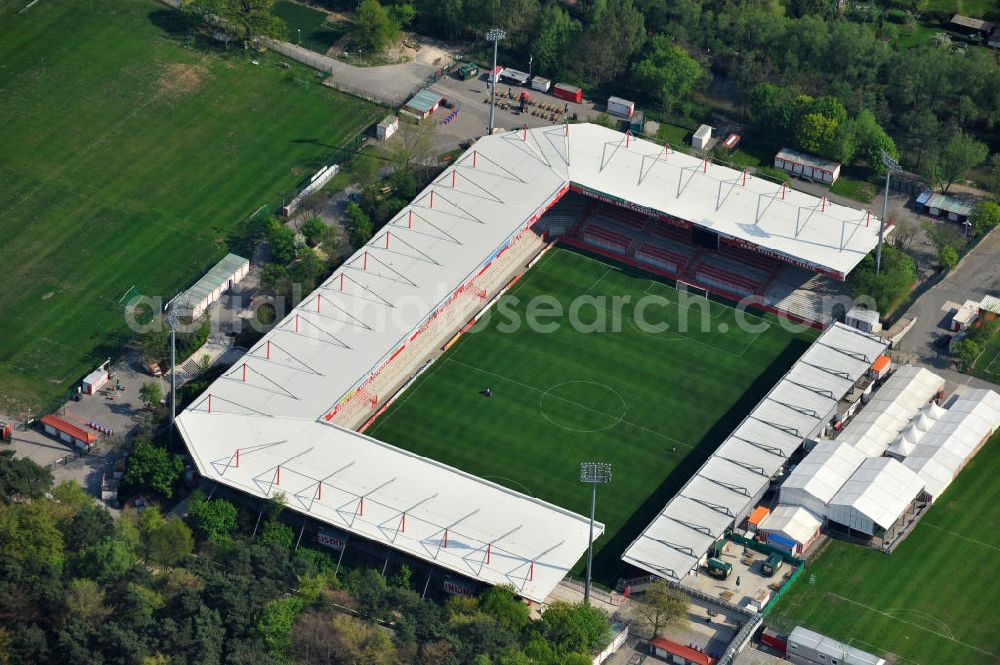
pixel 933 600
pixel 653 404
pixel 308 26
pixel 129 158
pixel 673 134
pixel 974 8
pixel 988 365
pixel 859 190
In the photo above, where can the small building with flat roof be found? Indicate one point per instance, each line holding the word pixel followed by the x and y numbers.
pixel 67 432
pixel 807 647
pixel 807 167
pixel 223 276
pixel 423 103
pixel 942 205
pixel 969 25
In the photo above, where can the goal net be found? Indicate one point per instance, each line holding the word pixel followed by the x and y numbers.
pixel 691 288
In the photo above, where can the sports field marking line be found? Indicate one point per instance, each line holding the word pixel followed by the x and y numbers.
pixel 945 628
pixel 971 540
pixel 915 625
pixel 687 337
pixel 617 422
pixel 900 660
pixel 569 401
pixel 598 280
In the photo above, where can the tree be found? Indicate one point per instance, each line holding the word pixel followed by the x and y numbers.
pixel 816 134
pixel 967 351
pixel 89 526
pixel 615 30
pixel 213 520
pixel 276 532
pixel 905 227
pixel 985 217
pixel 995 175
pixel 273 275
pixel 668 73
pixel 575 628
pixel 150 393
pixel 376 28
pixel 169 542
pixel 500 603
pixel 898 274
pixel 947 257
pixel 313 230
pixel 20 477
pixel 84 602
pixel 556 34
pixel 873 141
pixel 244 19
pixel 340 641
pixel 959 155
pixel 107 561
pixel 661 606
pixel 281 241
pixel 152 467
pixel 276 624
pixel 359 226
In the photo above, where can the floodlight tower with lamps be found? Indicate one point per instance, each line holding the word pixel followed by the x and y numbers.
pixel 493 35
pixel 593 473
pixel 891 166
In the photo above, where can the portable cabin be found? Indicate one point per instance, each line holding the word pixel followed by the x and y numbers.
pixel 568 92
pixel 701 138
pixel 719 569
pixel 387 127
pixel 467 71
pixel 95 380
pixel 772 565
pixel 514 76
pixel 541 84
pixel 881 367
pixel 621 107
pixel 807 167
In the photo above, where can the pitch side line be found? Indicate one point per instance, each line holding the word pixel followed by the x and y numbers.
pixel 971 540
pixel 915 625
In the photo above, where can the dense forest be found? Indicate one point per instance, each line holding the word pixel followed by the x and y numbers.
pixel 78 585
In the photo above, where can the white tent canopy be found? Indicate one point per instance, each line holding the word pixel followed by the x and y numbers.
pixel 820 475
pixel 794 522
pixel 875 495
pixel 736 476
pixel 954 439
pixel 891 407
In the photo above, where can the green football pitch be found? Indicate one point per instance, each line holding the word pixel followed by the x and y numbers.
pixel 933 600
pixel 128 155
pixel 654 403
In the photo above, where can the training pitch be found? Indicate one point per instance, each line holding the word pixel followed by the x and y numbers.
pixel 130 153
pixel 653 404
pixel 933 600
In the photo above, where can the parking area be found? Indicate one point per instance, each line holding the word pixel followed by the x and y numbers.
pixel 746 582
pixel 473 118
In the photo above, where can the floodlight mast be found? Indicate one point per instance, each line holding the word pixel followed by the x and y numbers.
pixel 172 322
pixel 891 166
pixel 493 35
pixel 593 473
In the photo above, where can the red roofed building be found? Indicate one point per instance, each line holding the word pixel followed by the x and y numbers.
pixel 68 432
pixel 673 652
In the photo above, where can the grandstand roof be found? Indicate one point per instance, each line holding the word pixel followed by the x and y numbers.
pixel 890 409
pixel 954 438
pixel 344 331
pixel 881 490
pixel 392 497
pixel 731 481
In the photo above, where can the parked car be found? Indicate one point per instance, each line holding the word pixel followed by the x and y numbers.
pixel 943 342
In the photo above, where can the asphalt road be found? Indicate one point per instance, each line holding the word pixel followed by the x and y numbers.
pixel 977 275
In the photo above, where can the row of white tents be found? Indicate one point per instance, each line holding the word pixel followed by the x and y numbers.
pixel 848 481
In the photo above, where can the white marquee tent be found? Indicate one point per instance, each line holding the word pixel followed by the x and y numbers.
pixel 820 475
pixel 876 495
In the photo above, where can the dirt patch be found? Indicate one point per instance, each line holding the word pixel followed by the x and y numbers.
pixel 48 295
pixel 181 79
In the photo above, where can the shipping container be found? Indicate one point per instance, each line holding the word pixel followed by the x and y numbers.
pixel 621 107
pixel 467 71
pixel 514 76
pixel 541 84
pixel 568 92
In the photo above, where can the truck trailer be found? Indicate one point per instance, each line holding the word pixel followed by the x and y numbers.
pixel 568 92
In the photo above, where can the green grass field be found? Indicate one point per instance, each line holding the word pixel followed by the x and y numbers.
pixel 988 365
pixel 933 600
pixel 129 156
pixel 630 397
pixel 308 26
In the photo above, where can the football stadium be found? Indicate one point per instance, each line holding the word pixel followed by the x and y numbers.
pixel 558 295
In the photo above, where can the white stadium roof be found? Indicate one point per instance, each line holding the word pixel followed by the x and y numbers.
pixel 891 408
pixel 284 390
pixel 733 479
pixel 881 490
pixel 409 502
pixel 954 438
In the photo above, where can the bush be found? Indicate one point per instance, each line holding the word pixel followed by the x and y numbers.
pixel 898 16
pixel 153 468
pixel 947 257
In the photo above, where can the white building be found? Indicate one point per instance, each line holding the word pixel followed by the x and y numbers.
pixel 955 437
pixel 223 276
pixel 387 127
pixel 820 475
pixel 793 528
pixel 876 499
pixel 701 138
pixel 807 167
pixel 891 409
pixel 806 647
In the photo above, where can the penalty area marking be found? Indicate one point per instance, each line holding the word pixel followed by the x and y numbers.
pixel 971 540
pixel 910 623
